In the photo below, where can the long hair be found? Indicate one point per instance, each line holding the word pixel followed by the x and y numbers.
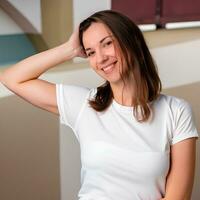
pixel 140 65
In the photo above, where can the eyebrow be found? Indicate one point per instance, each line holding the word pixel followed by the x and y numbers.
pixel 100 41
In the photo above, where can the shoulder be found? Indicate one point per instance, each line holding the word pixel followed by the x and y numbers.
pixel 74 89
pixel 75 93
pixel 71 99
pixel 179 115
pixel 69 87
pixel 172 103
pixel 177 110
pixel 172 107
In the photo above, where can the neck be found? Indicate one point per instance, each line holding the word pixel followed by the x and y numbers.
pixel 123 94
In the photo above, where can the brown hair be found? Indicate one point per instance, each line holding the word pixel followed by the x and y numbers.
pixel 140 65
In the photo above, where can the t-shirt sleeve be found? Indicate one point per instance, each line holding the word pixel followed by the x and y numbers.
pixel 184 126
pixel 70 100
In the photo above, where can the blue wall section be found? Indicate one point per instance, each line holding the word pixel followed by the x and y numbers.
pixel 14 48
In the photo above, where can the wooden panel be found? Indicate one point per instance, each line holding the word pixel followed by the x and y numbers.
pixel 159 11
pixel 140 11
pixel 180 10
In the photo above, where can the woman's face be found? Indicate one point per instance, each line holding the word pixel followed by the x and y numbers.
pixel 103 52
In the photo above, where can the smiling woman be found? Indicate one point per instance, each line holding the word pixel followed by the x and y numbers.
pixel 134 79
pixel 102 54
pixel 133 139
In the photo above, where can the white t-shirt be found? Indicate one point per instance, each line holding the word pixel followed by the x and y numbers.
pixel 121 158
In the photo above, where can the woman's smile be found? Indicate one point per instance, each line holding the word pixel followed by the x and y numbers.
pixel 109 68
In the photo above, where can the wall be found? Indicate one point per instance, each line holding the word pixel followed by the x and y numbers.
pixel 31 10
pixel 29 153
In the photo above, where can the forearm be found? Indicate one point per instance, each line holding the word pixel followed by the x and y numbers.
pixel 176 189
pixel 32 67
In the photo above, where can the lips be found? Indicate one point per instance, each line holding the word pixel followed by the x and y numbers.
pixel 109 68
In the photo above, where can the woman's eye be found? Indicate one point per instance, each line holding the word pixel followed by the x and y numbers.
pixel 90 53
pixel 108 43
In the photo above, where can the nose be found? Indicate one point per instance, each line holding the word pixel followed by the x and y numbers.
pixel 101 57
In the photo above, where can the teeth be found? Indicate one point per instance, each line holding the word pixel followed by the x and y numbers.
pixel 107 68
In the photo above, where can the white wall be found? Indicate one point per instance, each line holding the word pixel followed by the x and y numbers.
pixel 7 25
pixel 30 9
pixel 178 63
pixel 82 9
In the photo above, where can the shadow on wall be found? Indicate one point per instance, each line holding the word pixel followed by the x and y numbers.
pixel 192 95
pixel 29 152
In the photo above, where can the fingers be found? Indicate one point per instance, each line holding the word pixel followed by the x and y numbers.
pixel 75 44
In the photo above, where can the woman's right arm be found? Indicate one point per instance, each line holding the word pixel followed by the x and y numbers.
pixel 22 78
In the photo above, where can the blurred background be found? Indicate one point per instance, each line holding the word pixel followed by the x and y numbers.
pixel 39 158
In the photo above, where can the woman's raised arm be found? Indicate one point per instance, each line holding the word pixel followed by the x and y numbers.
pixel 22 78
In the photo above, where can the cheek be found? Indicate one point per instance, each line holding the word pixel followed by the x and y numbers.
pixel 112 52
pixel 92 63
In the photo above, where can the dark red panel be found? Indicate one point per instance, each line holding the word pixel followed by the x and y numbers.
pixel 140 11
pixel 180 10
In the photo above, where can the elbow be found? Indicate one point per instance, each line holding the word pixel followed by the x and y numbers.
pixel 3 79
pixel 6 80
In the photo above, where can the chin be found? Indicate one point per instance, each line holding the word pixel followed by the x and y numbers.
pixel 112 78
pixel 114 81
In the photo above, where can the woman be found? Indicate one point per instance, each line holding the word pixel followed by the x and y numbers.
pixel 136 144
